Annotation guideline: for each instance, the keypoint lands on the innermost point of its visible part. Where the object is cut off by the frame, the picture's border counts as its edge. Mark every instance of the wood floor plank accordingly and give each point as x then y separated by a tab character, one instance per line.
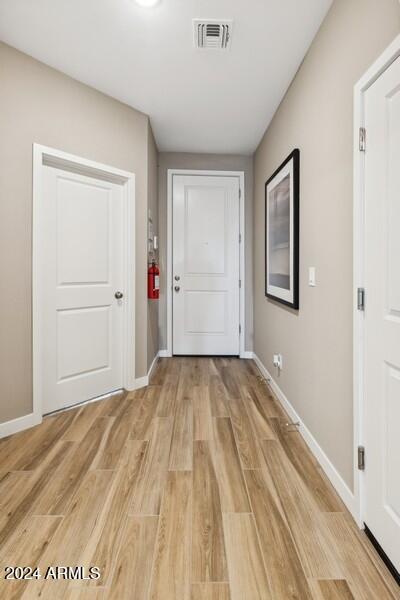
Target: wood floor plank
26	550
181	453
307	467
112	406
13	447
41	447
159	372
208	547
167	401
285	571
218	397
210	591
147	494
262	394
171	568
144	413
372	554
106	537
56	496
25	505
202	416
359	570
219	532
112	449
246	439
229	382
14	485
67	545
86	594
228	468
134	560
258	414
248	578
317	554
83	421
333	589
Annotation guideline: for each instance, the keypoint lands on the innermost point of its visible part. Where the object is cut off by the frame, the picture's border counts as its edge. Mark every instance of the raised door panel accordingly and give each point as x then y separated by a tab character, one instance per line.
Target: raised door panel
205	231
392	444
83	232
83	341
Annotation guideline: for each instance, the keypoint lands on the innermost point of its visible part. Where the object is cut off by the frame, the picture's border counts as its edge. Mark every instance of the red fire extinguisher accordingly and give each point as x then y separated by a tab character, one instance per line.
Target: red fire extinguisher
153	281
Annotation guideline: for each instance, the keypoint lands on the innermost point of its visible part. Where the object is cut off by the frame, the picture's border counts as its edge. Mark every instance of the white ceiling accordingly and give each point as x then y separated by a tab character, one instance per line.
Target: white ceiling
198	100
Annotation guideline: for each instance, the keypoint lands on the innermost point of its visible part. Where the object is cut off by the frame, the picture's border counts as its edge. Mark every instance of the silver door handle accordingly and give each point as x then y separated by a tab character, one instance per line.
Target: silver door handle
118	295
177	288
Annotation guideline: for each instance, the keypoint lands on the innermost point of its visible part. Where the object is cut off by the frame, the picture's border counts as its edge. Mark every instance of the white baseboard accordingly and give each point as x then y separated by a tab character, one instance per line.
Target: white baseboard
16	425
27	421
247	355
144	381
164	354
335	478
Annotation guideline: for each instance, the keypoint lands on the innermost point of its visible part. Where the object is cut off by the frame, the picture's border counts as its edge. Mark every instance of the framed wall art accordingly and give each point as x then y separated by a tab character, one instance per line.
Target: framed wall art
282	192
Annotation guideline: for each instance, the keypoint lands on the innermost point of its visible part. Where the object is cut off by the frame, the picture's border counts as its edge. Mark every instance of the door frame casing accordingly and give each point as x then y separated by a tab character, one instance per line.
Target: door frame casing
242	274
44	156
361	87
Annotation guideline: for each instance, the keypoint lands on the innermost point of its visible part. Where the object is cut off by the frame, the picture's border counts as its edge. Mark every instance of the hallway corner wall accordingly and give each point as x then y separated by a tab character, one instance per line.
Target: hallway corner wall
316	116
152	205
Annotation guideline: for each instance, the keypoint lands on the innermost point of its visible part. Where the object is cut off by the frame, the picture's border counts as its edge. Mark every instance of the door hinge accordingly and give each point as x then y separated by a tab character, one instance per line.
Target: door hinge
240	283
361	298
361	458
240	238
240	328
363	139
240	193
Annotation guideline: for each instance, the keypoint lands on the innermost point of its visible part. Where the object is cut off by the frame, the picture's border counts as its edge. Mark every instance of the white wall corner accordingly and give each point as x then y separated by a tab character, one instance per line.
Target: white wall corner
334	477
144	381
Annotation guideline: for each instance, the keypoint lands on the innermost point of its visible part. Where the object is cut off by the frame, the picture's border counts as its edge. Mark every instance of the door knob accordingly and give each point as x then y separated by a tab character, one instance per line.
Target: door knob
177	288
118	295
177	278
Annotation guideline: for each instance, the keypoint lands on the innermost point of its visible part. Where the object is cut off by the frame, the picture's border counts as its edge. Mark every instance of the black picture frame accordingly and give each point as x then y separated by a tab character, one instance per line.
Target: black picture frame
282	196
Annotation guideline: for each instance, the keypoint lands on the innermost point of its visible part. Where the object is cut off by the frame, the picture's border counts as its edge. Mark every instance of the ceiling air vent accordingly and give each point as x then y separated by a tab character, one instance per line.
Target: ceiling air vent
213	34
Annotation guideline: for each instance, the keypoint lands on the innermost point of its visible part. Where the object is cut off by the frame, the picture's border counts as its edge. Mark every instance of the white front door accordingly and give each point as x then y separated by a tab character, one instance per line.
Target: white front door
205	265
83	260
382	312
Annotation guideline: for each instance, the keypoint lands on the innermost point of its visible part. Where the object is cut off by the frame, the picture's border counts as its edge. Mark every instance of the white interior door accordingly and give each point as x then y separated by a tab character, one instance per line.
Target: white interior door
382	312
83	270
205	265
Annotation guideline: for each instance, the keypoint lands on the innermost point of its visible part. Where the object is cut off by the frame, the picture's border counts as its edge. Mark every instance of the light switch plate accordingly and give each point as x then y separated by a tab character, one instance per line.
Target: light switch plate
312	282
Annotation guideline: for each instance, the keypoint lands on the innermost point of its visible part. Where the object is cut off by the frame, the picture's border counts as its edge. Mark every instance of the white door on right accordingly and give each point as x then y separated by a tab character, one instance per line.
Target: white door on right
205	265
382	312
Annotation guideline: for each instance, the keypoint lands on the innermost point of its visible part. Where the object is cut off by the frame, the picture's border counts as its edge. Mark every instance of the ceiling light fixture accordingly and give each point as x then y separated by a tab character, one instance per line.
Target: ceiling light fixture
147	3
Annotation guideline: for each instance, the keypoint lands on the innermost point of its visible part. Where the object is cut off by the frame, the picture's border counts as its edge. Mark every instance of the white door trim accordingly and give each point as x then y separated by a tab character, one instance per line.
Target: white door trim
373	73
44	156
242	199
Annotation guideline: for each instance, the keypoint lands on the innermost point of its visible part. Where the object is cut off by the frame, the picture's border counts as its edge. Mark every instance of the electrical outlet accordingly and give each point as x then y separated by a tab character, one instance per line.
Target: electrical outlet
278	361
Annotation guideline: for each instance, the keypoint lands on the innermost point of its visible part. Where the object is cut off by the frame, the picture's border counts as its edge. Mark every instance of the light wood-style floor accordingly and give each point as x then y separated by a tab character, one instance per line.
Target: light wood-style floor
190	489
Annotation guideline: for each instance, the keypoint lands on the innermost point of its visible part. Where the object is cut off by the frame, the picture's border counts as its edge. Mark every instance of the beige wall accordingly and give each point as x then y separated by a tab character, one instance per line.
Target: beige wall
39	104
214	162
152	322
316	116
